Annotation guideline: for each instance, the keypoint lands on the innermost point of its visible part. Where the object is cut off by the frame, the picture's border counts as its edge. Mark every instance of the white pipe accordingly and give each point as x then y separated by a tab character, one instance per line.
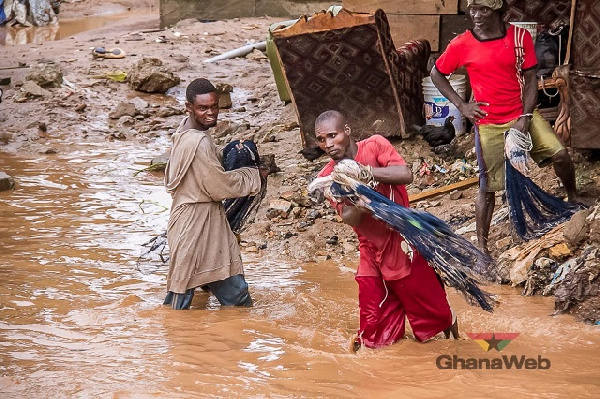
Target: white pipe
239	52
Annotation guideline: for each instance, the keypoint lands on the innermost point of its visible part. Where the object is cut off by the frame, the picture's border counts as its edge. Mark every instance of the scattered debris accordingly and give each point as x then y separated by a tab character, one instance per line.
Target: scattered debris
117	76
28	91
113	53
540	276
224	91
239	52
579	290
514	264
124	108
576	229
445	189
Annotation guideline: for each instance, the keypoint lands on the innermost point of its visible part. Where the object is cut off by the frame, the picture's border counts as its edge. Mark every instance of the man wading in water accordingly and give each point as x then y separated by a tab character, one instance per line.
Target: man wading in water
394	281
204	252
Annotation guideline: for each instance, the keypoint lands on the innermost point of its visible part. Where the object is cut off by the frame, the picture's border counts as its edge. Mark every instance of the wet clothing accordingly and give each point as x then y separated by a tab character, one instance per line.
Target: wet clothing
418	297
489	145
492	69
233	291
394	281
381	252
202	247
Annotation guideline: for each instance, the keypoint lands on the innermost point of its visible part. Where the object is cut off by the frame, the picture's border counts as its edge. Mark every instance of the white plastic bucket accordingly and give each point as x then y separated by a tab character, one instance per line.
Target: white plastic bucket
530	26
438	108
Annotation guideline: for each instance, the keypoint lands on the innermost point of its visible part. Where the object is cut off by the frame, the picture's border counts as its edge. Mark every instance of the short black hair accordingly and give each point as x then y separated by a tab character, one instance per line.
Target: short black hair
331	114
198	86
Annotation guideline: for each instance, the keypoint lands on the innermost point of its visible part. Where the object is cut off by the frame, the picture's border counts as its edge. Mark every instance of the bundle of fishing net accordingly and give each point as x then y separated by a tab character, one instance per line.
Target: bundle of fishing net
460	264
237	210
533	212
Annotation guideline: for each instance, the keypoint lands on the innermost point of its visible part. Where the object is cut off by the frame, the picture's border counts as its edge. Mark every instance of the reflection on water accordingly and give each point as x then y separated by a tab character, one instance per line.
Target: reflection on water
79	319
66	28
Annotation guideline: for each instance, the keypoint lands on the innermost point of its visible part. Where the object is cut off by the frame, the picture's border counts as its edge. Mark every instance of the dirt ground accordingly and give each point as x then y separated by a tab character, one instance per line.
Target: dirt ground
308	231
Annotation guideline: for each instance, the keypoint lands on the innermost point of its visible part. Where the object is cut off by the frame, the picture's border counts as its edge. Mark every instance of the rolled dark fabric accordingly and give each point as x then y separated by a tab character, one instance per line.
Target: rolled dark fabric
238	210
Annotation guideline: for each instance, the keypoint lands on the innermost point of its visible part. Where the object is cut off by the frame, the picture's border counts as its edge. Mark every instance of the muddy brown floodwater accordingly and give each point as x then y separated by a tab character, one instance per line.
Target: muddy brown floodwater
79	319
67	28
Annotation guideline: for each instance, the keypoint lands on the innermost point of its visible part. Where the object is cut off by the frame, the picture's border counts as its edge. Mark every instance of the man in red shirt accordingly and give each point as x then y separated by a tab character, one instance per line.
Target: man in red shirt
394	281
504	98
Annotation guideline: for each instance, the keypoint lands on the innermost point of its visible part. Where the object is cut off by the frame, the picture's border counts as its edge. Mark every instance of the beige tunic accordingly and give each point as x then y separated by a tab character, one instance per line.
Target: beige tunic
202	247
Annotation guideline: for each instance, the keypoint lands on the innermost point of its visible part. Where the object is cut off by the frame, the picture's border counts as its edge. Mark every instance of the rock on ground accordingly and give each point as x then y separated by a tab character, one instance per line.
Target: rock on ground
6	182
46	74
151	76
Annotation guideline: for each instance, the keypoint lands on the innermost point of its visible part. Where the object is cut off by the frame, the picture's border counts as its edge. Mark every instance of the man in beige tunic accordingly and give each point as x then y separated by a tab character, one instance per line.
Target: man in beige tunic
204	252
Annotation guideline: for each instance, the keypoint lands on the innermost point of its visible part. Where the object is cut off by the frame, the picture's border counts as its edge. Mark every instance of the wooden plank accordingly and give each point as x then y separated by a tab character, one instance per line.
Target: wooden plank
404	28
403	7
290	8
443	190
13	67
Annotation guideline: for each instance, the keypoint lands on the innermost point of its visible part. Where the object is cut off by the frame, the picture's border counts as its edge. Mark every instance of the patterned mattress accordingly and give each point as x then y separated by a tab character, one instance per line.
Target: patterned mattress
348	63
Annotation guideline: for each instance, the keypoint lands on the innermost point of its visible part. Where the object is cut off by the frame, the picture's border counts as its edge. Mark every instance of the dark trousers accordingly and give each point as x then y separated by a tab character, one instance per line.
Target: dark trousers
233	291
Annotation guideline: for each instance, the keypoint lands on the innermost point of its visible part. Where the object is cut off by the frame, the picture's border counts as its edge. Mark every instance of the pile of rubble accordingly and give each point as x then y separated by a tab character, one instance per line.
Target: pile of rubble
563	263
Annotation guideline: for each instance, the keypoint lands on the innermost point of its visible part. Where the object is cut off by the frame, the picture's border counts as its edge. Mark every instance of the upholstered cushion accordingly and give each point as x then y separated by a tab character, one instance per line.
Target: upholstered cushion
349	63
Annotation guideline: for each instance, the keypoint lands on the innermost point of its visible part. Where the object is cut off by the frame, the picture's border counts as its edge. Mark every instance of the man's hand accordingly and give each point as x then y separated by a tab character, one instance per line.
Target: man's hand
522	124
264	171
473	111
362	203
353	214
355	170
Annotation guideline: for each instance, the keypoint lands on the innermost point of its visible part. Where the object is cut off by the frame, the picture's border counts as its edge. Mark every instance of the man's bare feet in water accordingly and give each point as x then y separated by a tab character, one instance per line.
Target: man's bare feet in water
452	331
355	343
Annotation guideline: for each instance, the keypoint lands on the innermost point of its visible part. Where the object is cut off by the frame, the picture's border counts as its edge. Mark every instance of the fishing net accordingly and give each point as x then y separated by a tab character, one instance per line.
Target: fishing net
516	147
459	263
533	212
155	255
239	210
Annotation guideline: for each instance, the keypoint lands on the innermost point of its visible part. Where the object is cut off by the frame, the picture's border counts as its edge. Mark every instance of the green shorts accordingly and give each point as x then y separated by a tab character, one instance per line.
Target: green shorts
489	144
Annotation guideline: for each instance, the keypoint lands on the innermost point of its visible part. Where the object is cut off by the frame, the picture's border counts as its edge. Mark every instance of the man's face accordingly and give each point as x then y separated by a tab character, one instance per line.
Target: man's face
204	109
333	137
481	16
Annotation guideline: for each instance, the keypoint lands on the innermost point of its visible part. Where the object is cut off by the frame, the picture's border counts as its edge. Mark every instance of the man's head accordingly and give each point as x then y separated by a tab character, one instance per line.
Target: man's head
202	103
485	13
333	135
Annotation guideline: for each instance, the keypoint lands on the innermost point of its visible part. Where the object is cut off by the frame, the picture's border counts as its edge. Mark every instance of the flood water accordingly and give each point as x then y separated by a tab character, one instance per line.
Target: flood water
66	27
79	318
